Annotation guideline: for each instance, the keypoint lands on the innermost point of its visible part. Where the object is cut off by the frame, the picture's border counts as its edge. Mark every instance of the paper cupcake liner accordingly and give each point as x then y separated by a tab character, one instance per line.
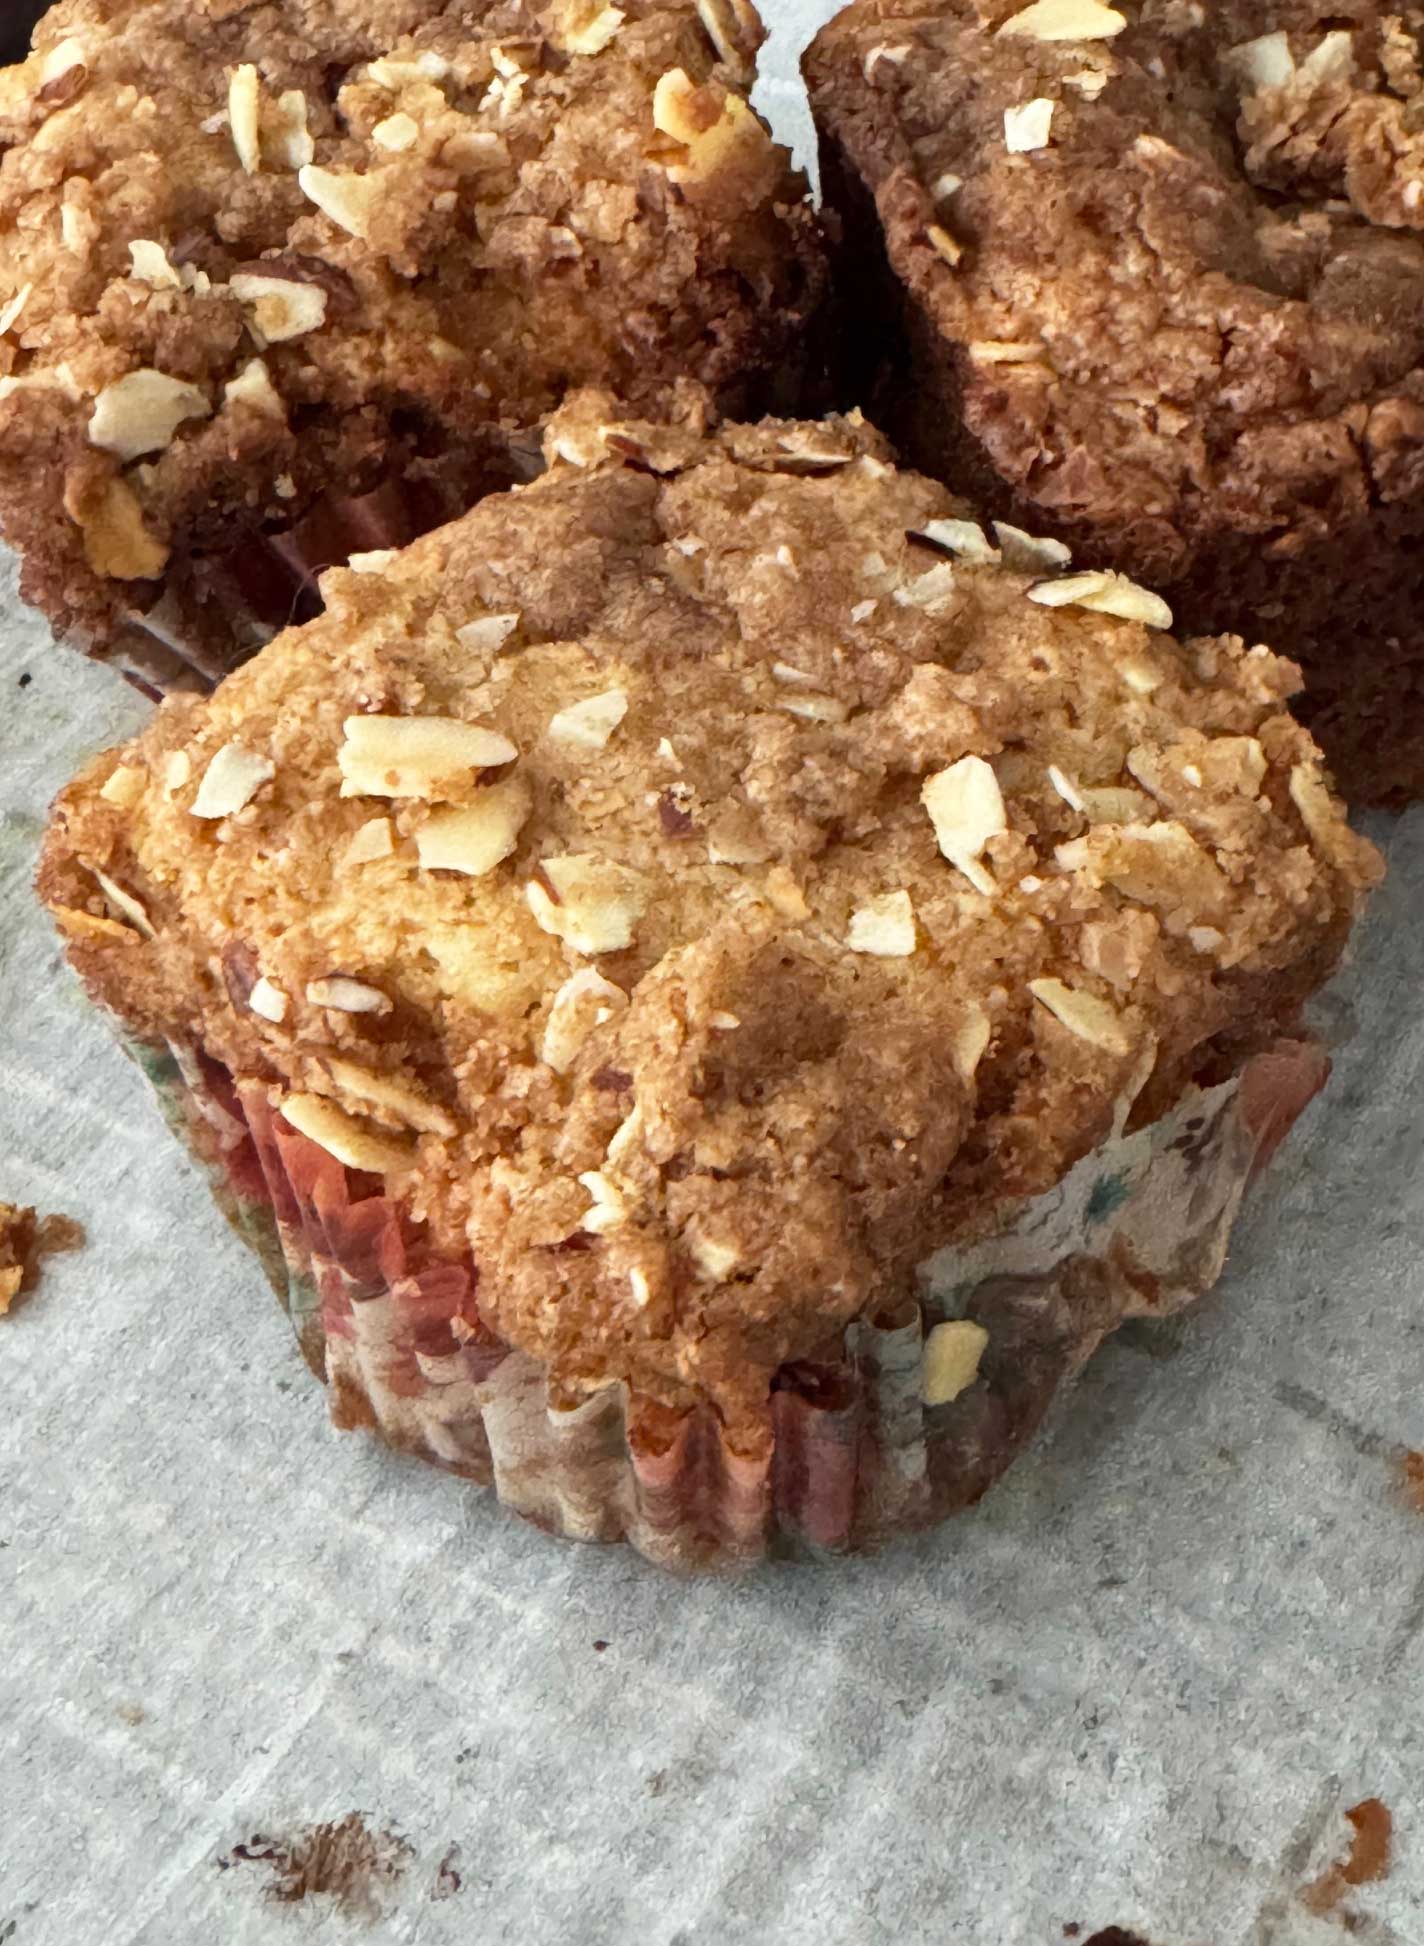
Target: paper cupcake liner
270	582
848	1455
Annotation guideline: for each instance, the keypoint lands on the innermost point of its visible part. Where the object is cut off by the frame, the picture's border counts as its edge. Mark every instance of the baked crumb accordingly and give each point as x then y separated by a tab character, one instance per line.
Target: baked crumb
26	1240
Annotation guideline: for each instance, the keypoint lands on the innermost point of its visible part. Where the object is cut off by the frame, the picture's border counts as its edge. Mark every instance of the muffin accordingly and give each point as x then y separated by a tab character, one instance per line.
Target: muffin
1158	290
283	284
715	980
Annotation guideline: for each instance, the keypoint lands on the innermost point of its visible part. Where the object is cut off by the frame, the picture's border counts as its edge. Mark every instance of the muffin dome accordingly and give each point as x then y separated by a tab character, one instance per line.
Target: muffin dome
707	882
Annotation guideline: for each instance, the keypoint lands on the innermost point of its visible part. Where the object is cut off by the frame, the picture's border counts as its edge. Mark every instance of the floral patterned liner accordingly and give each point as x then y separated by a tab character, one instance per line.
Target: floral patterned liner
849	1454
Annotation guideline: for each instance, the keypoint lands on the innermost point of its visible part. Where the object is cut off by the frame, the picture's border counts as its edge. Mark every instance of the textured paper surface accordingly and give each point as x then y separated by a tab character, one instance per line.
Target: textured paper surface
1139	1686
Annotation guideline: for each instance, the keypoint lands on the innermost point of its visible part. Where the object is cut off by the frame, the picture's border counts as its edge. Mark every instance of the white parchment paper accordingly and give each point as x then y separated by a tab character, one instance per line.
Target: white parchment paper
1138	1687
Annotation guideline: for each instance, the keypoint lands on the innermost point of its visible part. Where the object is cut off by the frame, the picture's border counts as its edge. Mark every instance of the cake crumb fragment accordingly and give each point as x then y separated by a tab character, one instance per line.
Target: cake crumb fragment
26	1239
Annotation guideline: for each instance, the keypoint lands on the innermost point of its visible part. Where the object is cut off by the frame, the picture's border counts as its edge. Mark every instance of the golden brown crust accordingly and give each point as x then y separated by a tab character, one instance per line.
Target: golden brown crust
1162	278
829	884
264	256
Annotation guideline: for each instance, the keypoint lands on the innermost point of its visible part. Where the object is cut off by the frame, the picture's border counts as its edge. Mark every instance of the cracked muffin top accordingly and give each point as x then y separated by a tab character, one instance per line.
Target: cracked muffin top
1176	247
709	879
251	255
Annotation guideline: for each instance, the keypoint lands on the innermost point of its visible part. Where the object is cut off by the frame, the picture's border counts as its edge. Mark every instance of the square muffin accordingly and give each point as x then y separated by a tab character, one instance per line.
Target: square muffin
281	284
715	980
1150	278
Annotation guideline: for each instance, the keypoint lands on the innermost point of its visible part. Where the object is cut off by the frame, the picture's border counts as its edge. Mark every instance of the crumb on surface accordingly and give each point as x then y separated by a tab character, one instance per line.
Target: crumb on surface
26	1239
1367	1858
344	1860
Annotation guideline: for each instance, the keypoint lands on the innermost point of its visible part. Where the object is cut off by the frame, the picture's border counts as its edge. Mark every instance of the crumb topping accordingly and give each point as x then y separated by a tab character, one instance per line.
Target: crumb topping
1179	247
700	1019
253	254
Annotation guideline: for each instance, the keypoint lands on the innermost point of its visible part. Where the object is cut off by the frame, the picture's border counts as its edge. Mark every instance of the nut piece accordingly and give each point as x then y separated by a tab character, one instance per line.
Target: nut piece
244	116
1066	788
944	245
347	197
372	841
151	266
966	808
430	757
591	723
140	413
341	1135
1266	62
608	1209
475	838
595	904
736	32
1083	1014
585	1001
966	538
885	927
894	55
584	26
1026	553
122	901
488	633
397	133
933	591
1331	60
89	926
253	386
347	996
718	129
59	62
268	1001
231	780
716	1261
1006	351
281	308
1106	594
1160	865
951	1360
399	1099
12	310
288	136
1065	20
1026	127
124	786
814	709
397	71
1140	677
